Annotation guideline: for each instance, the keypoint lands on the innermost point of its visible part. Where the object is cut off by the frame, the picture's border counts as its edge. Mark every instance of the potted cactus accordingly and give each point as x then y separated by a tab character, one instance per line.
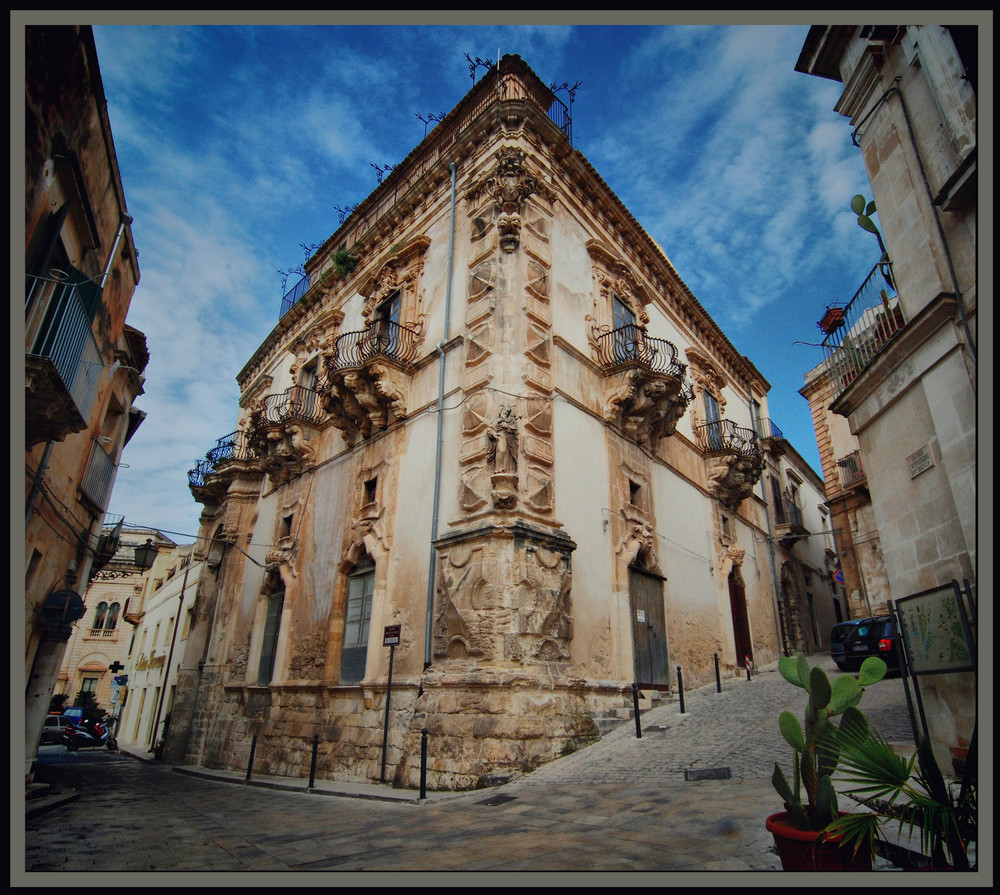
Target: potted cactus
810	799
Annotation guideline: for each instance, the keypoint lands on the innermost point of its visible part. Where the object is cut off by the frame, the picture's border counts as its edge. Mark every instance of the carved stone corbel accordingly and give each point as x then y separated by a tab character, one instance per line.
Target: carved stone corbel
732	477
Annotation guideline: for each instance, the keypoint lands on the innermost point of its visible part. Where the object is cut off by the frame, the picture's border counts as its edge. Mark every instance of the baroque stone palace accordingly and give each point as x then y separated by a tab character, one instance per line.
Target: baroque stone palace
494	417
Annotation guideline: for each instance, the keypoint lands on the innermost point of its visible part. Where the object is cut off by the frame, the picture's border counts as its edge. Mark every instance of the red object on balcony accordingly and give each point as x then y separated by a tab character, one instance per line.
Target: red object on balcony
832	320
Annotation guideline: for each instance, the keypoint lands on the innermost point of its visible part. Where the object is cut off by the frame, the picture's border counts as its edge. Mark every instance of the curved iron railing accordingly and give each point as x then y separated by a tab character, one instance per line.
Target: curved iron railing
295	403
725	435
234	446
630	344
379	339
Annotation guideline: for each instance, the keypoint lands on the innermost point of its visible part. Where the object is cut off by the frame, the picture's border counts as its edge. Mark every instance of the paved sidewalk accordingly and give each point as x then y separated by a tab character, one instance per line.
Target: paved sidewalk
622	804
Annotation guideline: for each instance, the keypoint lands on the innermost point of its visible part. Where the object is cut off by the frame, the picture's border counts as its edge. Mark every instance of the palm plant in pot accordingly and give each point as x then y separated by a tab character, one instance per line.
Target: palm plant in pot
800	831
910	792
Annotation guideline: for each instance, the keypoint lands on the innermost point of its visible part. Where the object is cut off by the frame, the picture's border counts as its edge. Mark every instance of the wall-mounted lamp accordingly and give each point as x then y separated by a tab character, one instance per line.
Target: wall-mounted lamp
145	555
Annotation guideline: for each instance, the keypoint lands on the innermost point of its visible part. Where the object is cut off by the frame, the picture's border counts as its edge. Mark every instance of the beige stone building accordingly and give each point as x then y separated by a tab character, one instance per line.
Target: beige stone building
101	640
856	535
495	450
83	365
156	647
901	356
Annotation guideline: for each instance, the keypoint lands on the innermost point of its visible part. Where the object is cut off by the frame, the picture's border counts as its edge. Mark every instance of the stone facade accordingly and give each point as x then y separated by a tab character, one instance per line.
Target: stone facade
83	364
910	95
498	421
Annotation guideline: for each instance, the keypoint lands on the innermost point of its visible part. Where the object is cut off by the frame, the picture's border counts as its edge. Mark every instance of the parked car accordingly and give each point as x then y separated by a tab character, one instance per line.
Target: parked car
854	641
52	732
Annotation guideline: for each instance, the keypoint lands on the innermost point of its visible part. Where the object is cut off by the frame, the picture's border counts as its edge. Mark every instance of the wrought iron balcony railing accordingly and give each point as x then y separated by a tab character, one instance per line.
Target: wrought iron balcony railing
630	345
234	446
294	294
766	428
725	435
58	327
379	340
851	469
98	476
787	513
857	332
295	403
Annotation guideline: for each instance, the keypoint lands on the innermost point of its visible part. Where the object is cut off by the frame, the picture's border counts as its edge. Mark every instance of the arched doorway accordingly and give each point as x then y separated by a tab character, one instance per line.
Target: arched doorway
741	621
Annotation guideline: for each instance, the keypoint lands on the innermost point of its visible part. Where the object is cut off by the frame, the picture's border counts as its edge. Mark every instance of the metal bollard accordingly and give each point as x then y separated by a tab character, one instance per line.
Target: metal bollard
635	707
312	765
253	748
748	663
718	679
423	763
680	688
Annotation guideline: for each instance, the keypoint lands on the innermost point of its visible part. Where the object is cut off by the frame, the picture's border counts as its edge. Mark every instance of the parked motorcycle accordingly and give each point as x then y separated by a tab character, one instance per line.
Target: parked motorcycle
89	734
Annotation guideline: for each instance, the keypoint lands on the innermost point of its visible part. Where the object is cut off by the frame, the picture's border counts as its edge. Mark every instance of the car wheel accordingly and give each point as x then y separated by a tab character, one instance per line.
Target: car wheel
843	666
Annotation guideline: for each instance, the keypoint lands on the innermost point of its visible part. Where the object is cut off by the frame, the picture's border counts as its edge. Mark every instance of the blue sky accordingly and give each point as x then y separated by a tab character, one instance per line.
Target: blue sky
238	145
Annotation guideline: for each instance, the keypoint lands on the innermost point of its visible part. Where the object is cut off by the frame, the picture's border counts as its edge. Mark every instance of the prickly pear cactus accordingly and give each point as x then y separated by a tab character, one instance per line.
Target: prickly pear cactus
810	798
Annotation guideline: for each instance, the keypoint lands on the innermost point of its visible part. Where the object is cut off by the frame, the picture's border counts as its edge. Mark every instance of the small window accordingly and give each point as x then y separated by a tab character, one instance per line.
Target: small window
371	490
286	526
633	492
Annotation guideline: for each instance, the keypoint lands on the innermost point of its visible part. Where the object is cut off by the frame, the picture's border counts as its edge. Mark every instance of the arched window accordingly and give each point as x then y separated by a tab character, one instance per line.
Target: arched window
112	619
272	627
357	620
100	615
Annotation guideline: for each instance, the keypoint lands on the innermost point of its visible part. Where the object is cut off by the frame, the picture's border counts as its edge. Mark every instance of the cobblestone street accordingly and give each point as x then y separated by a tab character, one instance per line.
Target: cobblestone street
622	804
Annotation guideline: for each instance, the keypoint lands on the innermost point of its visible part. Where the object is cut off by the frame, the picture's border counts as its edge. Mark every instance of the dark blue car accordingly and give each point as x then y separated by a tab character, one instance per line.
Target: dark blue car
854	641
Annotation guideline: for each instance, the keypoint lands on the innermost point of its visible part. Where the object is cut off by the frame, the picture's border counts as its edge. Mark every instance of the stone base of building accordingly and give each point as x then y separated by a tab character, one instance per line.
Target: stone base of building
482	728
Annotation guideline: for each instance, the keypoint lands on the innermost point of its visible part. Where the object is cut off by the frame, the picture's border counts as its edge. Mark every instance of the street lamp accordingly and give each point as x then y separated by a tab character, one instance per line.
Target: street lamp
145	555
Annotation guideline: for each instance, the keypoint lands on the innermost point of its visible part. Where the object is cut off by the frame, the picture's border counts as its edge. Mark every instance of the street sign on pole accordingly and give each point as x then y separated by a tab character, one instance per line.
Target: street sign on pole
390	639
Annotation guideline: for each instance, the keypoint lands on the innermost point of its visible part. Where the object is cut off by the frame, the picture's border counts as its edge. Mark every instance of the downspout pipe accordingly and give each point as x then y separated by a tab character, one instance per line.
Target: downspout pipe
432	564
126	220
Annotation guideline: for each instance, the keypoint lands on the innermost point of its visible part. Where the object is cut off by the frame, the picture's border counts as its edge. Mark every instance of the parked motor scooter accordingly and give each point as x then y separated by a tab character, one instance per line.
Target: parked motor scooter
89	734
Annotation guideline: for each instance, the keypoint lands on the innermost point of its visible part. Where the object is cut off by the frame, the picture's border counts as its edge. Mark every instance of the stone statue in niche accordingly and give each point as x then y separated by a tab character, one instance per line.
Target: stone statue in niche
503	441
502	456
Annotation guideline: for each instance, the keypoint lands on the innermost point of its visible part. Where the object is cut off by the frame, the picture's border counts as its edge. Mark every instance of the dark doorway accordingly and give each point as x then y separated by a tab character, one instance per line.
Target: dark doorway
741	622
649	629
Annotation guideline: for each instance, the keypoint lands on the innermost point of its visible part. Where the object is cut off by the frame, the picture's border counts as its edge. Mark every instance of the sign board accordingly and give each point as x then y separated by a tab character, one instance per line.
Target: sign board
640	615
920	461
932	626
391	636
838	576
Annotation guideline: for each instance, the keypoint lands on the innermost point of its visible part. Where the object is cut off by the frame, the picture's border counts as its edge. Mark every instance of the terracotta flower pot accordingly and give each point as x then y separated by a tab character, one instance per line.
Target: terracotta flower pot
805	850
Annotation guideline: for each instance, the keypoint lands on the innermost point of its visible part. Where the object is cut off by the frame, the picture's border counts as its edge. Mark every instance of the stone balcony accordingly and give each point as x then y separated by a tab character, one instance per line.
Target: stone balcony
644	386
366	377
734	460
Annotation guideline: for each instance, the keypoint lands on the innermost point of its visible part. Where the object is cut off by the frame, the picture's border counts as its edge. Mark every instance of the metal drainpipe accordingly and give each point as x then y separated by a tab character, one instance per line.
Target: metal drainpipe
432	564
125	220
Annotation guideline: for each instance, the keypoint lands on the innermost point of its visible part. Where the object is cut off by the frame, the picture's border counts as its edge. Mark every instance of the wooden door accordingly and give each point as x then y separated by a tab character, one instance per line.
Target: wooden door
649	630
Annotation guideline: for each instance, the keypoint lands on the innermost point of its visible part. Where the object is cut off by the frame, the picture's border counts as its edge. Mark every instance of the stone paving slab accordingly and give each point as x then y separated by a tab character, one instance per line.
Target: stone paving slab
620	805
